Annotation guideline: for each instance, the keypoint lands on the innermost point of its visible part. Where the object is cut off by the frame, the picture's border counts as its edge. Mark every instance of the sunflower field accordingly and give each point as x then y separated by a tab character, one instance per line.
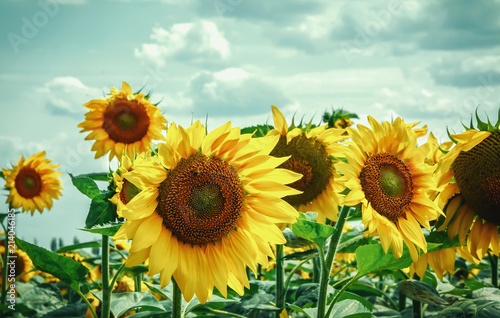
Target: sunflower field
305	219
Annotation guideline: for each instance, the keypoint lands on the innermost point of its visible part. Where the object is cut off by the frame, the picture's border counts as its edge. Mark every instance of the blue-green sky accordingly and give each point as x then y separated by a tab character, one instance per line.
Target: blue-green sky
426	61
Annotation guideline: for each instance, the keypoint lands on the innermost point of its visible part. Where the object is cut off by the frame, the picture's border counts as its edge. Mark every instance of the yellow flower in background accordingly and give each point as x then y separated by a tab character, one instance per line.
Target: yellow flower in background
441	262
125	190
312	154
208	208
387	175
470	175
23	264
122	123
33	183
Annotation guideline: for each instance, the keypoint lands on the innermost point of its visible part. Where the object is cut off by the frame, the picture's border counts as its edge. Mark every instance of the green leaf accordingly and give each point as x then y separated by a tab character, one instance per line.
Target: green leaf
260	130
195	303
64	268
421	291
101	211
98	176
349	308
108	229
78	246
2	175
309	312
471	308
72	310
43	298
312	231
372	258
347	295
125	302
85	185
306	294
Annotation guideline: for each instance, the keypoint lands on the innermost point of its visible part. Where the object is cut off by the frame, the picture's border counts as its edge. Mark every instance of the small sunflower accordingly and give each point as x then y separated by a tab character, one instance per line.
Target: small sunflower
387	174
312	154
125	190
208	208
470	177
33	183
23	264
122	123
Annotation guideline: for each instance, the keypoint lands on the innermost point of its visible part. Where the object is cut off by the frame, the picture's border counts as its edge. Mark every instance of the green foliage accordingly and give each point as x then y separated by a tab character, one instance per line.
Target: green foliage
258	131
108	229
74	247
310	230
102	211
125	302
64	268
85	185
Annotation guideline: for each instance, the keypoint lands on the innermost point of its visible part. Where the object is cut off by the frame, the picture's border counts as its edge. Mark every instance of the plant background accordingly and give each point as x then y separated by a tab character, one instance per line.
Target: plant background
429	62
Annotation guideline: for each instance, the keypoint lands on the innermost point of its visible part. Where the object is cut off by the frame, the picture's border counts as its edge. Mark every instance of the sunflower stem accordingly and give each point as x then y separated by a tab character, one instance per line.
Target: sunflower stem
106	290
138	282
316	269
494	269
326	269
280	277
92	310
176	300
4	265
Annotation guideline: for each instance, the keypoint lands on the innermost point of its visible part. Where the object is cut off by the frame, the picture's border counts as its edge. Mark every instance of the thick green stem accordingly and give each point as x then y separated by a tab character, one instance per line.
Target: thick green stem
332	250
316	269
417	306
5	270
138	282
494	269
280	279
176	300
106	288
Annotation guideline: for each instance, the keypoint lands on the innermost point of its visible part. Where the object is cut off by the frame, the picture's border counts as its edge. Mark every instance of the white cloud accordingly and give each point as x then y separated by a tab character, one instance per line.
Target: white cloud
65	95
199	42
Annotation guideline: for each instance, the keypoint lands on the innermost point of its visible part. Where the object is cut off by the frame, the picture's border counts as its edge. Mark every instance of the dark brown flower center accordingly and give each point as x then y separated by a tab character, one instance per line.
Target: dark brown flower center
201	199
28	183
477	173
126	121
387	185
309	158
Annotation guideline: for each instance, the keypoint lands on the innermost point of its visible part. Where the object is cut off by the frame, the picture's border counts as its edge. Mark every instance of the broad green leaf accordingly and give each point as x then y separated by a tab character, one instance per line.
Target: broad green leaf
72	310
293	240
311	230
78	246
195	303
43	298
125	302
439	240
474	285
166	291
349	244
372	258
108	229
102	211
309	312
64	268
471	308
348	295
306	294
85	185
302	255
420	291
349	308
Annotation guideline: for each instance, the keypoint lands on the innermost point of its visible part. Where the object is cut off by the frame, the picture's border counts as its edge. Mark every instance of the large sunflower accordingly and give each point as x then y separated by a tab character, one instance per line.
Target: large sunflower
386	173
208	208
122	123
312	154
470	177
33	183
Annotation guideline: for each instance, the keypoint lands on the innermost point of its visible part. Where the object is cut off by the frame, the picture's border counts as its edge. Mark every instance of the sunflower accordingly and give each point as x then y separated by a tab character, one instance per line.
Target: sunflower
33	183
387	175
122	123
441	261
470	177
312	154
125	190
23	264
208	208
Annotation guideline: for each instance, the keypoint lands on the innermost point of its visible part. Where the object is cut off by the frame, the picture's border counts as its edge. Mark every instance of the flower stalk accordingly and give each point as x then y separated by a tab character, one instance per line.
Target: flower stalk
106	288
176	300
280	276
332	250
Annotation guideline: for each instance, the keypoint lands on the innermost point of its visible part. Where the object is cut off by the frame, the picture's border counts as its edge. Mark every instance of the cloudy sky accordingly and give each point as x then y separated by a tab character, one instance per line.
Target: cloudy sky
427	61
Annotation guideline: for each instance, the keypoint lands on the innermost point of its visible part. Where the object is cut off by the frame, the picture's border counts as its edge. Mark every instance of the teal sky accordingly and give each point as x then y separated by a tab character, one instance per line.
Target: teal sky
427	61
